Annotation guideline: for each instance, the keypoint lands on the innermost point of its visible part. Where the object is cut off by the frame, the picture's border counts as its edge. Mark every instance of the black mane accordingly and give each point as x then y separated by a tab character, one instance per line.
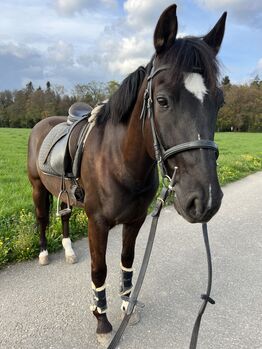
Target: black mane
187	55
121	104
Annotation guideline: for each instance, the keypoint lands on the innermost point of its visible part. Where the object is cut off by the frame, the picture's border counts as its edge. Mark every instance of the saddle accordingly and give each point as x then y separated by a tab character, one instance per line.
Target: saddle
61	152
55	157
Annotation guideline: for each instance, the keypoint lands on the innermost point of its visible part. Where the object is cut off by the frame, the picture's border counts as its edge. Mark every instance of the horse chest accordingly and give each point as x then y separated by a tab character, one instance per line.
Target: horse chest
133	204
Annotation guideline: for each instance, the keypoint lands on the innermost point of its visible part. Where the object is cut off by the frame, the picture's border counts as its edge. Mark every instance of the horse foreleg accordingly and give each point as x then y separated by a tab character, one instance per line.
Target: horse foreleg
130	232
66	242
97	236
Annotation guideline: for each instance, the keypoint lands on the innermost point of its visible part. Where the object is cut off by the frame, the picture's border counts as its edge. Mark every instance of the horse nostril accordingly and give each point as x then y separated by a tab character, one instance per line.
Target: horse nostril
194	206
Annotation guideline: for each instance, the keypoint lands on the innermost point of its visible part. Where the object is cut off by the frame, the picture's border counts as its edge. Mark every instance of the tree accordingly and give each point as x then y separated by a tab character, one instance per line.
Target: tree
25	107
35	107
29	88
48	86
226	81
64	104
17	110
242	110
111	88
91	93
256	82
50	101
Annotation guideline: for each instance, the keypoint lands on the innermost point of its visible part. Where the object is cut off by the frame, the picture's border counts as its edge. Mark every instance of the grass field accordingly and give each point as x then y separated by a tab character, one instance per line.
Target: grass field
240	155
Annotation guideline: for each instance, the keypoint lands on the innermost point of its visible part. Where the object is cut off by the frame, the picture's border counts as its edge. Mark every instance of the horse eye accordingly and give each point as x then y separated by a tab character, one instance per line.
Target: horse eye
162	101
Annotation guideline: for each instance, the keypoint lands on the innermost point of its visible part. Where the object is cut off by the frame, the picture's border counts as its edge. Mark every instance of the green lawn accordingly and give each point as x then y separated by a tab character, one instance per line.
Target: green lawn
240	155
15	191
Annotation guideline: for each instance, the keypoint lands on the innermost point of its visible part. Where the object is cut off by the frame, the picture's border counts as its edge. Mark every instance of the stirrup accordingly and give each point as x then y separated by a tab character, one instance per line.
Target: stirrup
66	210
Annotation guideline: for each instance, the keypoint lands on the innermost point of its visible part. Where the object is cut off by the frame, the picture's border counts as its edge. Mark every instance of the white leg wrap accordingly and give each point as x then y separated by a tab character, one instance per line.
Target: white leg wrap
135	317
125	289
66	242
43	257
43	253
69	252
125	280
126	269
99	299
124	306
98	289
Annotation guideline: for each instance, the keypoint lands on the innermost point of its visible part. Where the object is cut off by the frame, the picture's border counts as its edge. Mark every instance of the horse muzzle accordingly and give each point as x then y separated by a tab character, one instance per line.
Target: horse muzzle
196	207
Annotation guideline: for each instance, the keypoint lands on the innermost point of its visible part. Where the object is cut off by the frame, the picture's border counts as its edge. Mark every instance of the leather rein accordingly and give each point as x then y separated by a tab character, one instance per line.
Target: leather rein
161	156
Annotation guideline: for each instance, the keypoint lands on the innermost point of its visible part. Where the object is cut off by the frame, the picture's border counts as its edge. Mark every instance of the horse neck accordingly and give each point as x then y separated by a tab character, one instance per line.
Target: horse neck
135	149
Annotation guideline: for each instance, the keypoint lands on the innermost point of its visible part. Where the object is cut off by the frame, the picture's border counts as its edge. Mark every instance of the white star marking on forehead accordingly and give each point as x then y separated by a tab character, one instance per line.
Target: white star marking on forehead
194	83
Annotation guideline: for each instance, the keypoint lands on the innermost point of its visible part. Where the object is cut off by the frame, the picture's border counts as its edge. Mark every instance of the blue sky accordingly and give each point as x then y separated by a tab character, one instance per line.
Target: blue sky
76	41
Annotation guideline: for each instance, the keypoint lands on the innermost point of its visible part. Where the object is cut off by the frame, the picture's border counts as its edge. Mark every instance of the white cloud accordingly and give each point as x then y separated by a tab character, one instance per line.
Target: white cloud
14	49
143	14
70	7
135	46
46	46
18	61
245	12
67	49
61	53
131	53
71	41
127	66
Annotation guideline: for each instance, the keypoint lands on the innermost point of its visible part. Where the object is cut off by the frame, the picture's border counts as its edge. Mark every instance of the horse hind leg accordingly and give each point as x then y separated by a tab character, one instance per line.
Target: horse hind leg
70	255
42	199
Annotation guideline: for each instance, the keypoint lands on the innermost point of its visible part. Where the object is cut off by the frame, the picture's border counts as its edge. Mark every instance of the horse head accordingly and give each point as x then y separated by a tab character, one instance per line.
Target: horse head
185	102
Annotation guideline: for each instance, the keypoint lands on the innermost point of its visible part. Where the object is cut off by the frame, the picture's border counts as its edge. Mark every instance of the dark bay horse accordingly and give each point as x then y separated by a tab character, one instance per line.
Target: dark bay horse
119	174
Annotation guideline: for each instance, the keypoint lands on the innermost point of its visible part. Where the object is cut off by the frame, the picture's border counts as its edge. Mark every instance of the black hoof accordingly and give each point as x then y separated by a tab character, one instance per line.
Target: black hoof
103	325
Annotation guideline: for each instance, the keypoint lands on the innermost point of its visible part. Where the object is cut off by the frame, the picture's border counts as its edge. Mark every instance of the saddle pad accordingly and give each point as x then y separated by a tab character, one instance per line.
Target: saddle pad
53	150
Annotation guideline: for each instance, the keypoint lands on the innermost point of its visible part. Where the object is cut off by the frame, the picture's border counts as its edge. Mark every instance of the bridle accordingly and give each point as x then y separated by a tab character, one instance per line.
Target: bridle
162	154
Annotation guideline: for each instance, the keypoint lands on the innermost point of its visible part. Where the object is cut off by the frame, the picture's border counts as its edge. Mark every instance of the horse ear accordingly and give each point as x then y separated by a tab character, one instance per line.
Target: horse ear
215	36
166	30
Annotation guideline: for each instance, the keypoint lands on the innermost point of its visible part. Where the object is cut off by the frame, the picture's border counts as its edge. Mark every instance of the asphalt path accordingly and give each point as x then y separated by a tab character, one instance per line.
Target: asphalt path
48	307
